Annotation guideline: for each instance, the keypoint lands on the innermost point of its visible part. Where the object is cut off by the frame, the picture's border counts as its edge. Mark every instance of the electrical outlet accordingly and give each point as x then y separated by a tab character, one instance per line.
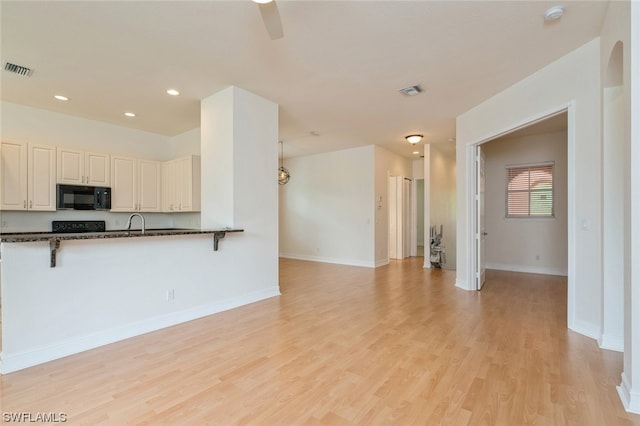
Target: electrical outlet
3	224
170	295
537	257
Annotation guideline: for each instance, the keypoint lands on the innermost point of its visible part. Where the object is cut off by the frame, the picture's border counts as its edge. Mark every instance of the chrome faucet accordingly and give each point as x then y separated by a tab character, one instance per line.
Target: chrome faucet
131	217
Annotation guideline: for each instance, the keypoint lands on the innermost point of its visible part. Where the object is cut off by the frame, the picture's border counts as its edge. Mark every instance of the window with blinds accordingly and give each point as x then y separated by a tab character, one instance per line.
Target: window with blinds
530	190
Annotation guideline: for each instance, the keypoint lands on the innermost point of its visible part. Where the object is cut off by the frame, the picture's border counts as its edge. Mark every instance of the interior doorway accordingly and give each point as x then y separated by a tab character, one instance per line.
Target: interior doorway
526	254
400	216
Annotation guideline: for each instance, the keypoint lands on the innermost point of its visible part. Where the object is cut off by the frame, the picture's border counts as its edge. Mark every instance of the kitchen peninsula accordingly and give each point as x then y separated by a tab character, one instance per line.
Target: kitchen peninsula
109	286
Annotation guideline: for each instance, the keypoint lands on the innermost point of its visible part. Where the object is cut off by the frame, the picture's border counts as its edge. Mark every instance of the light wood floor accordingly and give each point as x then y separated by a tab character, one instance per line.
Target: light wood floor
343	345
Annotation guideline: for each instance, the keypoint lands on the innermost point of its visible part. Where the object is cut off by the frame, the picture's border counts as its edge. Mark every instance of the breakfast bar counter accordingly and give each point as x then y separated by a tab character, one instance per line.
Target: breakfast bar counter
54	239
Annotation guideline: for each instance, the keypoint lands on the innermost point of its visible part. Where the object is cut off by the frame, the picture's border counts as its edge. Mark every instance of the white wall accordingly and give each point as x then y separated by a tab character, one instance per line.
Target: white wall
630	387
621	136
572	82
188	143
335	206
327	208
545	250
442	165
22	123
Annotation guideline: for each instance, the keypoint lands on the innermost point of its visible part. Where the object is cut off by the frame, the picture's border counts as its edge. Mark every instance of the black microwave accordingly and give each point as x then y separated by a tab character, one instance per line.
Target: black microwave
75	197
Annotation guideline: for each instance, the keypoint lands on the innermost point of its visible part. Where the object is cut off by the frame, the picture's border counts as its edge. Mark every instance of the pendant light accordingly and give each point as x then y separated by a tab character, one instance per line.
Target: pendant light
283	174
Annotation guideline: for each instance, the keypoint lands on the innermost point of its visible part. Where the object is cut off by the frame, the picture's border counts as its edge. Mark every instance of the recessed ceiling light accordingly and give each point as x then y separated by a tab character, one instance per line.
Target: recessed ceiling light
262	1
61	98
173	92
416	152
129	114
553	13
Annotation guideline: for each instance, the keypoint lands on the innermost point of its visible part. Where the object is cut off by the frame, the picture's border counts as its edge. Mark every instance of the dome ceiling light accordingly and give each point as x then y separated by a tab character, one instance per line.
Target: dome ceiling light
414	139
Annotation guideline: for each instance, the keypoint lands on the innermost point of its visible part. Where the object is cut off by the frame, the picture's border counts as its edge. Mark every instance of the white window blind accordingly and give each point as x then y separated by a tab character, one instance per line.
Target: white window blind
530	190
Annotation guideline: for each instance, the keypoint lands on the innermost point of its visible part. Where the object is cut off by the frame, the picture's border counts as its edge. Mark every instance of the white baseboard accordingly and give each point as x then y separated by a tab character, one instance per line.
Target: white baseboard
612	343
350	262
463	285
586	329
18	361
382	262
630	398
528	269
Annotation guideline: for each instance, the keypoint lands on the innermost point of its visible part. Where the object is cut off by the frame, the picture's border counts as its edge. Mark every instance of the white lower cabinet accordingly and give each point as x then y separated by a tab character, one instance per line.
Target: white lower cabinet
27	177
135	185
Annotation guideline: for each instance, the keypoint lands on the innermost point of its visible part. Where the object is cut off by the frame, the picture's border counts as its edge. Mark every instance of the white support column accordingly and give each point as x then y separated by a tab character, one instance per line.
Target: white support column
427	206
239	154
239	161
629	389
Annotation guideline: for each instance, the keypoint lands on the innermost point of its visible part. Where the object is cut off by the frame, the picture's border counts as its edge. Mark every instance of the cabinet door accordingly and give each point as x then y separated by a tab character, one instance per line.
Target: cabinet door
70	166
169	199
96	168
188	183
149	191
41	166
183	172
123	184
13	176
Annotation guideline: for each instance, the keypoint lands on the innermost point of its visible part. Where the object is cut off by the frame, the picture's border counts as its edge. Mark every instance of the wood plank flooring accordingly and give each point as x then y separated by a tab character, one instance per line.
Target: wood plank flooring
398	345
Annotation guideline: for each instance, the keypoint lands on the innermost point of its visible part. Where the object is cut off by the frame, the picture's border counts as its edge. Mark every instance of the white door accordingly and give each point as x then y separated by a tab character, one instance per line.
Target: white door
406	220
480	220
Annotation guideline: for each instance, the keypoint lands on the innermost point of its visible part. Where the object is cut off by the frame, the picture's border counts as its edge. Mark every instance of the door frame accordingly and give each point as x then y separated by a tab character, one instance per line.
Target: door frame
470	243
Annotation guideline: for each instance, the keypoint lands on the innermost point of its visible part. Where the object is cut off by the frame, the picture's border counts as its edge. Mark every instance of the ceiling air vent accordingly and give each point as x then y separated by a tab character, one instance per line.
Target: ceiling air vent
17	69
411	90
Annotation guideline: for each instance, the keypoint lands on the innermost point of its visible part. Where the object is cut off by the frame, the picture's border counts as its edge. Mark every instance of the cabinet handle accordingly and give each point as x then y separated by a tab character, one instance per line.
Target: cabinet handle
30	203
25	204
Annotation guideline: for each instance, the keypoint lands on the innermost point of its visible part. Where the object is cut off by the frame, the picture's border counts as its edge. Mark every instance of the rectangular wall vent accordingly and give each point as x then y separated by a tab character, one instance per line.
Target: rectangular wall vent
17	69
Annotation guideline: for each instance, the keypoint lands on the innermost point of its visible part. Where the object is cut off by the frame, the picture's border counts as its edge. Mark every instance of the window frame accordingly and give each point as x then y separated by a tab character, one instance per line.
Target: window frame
529	166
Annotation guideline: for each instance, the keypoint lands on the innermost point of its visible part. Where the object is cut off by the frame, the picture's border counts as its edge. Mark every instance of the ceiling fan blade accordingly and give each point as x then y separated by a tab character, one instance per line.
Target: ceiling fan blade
271	19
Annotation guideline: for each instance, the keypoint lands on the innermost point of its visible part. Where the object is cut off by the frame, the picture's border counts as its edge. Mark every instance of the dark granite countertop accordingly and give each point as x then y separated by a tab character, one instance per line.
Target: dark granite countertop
23	237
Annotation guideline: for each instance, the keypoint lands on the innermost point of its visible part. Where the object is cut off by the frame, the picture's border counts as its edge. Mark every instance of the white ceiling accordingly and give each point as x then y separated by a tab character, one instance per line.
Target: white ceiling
337	71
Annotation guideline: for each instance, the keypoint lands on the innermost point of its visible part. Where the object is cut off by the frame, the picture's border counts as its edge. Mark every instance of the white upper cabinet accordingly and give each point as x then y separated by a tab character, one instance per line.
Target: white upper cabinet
181	184
77	167
149	186
28	177
136	185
